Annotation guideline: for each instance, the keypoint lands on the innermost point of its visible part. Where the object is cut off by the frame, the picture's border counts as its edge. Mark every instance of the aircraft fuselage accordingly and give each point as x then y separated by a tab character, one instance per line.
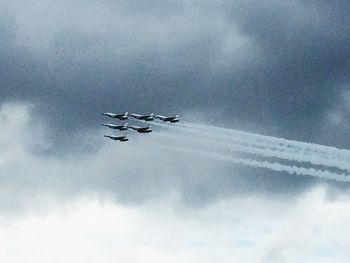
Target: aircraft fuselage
123	127
143	117
116	116
117	138
171	119
141	129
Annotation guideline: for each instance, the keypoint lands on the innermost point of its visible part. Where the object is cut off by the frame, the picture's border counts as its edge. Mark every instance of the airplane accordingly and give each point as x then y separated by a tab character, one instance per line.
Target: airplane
123	127
123	116
141	129
149	117
171	119
117	138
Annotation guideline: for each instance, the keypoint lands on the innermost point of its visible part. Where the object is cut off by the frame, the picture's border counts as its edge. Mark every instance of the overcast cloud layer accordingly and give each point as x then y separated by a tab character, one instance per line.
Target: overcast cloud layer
278	68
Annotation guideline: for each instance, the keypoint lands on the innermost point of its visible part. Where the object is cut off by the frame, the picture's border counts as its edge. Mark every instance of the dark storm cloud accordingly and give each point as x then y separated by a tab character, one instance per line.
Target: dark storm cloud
304	64
174	57
142	61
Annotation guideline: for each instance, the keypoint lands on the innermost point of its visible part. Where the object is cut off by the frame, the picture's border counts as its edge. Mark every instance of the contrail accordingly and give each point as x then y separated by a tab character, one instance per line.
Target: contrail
290	169
298	146
238	138
237	143
310	152
262	152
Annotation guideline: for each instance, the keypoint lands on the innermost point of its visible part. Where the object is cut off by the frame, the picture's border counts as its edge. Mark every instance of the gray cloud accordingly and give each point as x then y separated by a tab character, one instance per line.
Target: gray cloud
137	172
272	67
270	64
304	62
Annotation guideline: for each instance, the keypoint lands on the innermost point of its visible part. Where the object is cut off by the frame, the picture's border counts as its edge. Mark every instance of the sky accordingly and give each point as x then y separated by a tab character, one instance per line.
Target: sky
278	68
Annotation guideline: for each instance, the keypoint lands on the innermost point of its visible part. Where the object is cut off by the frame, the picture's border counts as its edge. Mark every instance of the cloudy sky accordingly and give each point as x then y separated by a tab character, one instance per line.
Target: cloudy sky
277	68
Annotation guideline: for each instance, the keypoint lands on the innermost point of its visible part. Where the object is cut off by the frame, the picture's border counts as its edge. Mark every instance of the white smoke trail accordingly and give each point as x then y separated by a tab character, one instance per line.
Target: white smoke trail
260	151
272	147
290	169
241	139
303	147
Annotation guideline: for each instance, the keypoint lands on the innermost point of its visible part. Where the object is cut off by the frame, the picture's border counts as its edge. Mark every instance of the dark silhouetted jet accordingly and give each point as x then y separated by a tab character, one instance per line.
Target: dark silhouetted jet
149	117
117	138
123	127
171	119
141	129
123	116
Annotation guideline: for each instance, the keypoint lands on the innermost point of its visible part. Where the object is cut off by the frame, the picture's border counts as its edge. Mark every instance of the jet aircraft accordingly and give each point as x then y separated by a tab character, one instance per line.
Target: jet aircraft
123	127
149	117
141	129
171	119
117	138
123	116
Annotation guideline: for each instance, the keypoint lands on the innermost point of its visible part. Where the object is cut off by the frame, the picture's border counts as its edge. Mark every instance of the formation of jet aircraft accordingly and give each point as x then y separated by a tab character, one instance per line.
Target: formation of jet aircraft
138	117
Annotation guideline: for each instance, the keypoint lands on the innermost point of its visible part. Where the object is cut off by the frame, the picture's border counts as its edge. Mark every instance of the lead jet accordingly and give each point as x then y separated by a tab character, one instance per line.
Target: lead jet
141	129
123	127
117	138
171	119
140	117
123	116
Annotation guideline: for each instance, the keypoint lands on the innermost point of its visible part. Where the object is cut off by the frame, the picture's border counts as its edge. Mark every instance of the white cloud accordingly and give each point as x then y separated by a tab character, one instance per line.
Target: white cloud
313	229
